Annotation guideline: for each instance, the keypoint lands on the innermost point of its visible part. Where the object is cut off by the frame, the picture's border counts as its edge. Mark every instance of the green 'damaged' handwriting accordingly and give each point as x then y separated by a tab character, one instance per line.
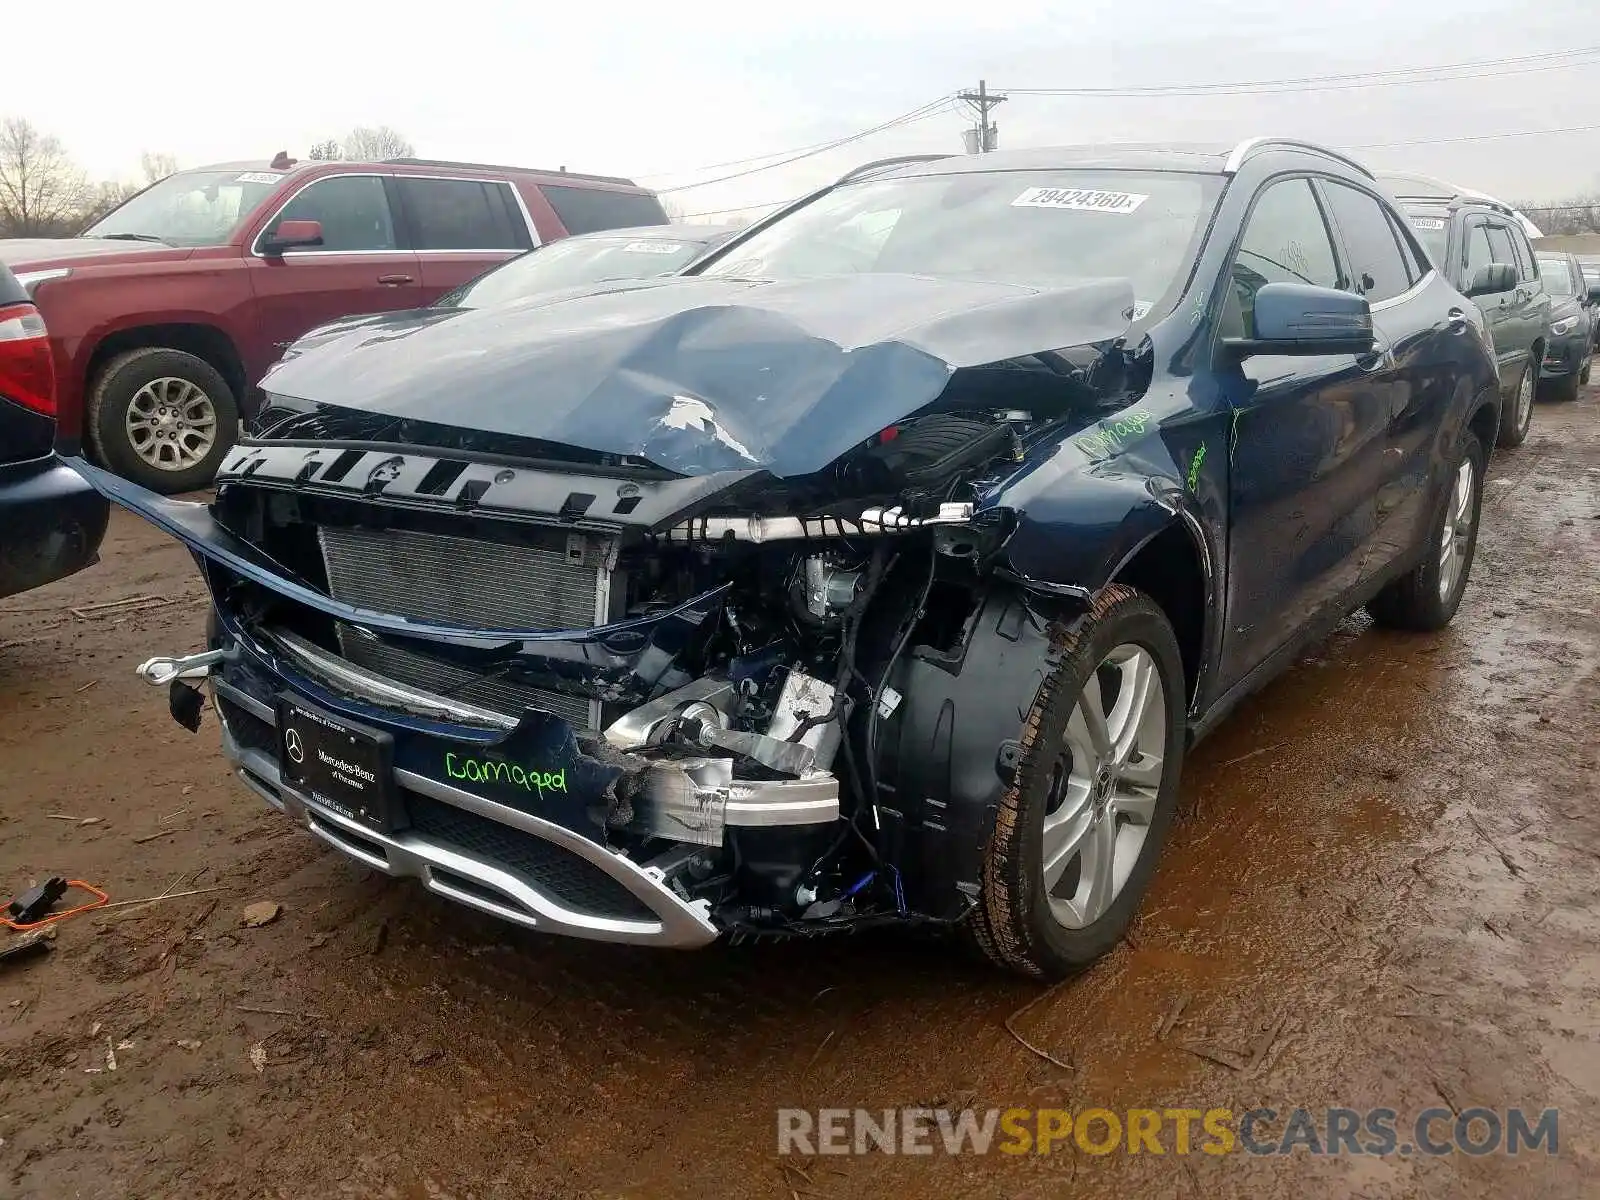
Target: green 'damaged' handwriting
1112	435
489	770
1194	467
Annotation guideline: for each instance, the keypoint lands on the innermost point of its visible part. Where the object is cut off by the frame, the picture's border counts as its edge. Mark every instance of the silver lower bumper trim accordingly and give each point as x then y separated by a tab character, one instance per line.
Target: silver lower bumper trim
489	888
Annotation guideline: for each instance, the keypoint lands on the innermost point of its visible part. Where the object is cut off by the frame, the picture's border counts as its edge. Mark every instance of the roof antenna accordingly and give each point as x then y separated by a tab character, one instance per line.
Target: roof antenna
281	161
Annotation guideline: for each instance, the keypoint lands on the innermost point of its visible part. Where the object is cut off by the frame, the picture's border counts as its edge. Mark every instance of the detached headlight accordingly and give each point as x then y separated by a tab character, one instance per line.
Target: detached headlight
30	280
1565	325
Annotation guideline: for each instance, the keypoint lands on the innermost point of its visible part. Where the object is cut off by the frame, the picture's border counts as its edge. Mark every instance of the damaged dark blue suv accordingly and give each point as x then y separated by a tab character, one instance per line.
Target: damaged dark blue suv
880	570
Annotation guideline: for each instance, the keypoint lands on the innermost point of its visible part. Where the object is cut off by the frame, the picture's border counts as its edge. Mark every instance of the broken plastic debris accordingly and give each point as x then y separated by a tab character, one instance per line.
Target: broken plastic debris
262	912
258	1057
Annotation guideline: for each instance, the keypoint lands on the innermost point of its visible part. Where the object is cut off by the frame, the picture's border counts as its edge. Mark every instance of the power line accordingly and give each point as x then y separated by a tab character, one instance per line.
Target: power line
1474	137
921	112
1399	77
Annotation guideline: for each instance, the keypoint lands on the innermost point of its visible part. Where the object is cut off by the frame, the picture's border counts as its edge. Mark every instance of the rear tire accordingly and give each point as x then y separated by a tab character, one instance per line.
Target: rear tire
1517	411
1565	389
1427	596
162	418
1108	809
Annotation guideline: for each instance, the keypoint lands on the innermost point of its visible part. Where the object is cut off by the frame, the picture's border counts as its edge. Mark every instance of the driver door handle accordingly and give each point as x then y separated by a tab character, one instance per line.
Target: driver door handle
395	280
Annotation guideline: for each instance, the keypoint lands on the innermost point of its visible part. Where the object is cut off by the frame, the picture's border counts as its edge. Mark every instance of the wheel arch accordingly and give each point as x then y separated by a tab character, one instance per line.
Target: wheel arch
1174	566
1484	419
207	342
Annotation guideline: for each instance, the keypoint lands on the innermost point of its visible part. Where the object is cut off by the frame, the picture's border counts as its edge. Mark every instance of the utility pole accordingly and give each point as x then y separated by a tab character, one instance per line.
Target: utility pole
985	136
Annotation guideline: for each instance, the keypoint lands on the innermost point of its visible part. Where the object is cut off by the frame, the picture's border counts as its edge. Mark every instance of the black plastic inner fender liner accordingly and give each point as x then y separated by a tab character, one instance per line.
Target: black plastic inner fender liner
949	749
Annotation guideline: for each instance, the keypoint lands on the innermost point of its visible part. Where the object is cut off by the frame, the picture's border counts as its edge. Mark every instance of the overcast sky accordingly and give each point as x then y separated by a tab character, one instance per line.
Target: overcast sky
653	90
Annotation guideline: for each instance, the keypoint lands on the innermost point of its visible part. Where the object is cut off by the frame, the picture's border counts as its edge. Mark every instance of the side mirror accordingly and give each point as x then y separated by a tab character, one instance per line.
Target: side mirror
1297	318
1496	277
1594	293
292	235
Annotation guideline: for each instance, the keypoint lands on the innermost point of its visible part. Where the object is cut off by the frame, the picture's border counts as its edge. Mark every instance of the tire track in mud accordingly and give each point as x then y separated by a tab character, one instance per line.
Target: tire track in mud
1326	869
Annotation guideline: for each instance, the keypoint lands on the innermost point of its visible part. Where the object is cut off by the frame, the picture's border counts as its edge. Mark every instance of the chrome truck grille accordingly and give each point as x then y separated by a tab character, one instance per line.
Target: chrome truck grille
561	580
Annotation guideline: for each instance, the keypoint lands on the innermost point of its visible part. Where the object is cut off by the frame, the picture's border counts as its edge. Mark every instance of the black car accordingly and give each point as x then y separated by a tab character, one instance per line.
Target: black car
590	258
51	520
879	570
1570	352
1589	264
1480	245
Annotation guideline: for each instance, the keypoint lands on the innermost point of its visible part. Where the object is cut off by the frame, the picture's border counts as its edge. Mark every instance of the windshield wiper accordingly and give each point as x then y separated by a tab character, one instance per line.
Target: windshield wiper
130	237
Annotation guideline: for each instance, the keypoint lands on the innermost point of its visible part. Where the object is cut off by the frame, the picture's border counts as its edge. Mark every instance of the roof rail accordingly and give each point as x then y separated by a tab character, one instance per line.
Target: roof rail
467	166
1501	206
896	160
1250	145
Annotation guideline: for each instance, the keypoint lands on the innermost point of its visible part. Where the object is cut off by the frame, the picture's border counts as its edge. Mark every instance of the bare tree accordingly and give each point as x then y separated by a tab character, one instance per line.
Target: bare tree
367	143
326	150
157	165
101	198
42	191
1581	214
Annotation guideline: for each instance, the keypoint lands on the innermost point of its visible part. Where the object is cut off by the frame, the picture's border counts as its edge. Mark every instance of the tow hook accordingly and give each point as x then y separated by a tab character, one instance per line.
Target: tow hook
185	702
162	671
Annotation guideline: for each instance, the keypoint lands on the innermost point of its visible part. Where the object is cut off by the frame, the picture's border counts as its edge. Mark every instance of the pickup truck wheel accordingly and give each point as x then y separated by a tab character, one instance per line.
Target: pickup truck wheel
1077	834
162	418
1427	596
1518	411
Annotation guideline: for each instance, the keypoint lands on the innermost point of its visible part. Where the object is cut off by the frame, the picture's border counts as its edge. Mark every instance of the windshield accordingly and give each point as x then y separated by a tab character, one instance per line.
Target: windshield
1032	227
1557	276
191	208
1433	231
573	262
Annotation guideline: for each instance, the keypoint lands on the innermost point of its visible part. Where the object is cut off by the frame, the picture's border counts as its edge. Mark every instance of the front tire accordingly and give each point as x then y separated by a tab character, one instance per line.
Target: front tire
1427	596
162	418
1078	833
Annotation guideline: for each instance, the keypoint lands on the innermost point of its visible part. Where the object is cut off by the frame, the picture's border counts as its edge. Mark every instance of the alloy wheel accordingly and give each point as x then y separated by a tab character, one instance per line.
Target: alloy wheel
1457	532
171	424
1104	789
1524	410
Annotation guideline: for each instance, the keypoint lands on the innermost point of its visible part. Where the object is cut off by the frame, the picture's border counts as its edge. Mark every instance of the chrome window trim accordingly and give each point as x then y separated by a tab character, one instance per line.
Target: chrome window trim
516	193
1409	294
255	245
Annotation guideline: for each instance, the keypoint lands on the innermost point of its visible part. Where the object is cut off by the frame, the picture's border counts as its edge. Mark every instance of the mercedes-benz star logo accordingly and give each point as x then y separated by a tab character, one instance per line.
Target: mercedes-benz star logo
291	743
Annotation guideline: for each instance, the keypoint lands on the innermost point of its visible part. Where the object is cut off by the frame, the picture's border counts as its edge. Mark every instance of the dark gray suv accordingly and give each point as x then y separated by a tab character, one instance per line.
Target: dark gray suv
1480	246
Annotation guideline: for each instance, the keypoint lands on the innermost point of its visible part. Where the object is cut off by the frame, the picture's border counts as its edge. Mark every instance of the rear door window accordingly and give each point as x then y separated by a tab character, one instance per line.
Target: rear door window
460	214
589	210
352	209
1379	271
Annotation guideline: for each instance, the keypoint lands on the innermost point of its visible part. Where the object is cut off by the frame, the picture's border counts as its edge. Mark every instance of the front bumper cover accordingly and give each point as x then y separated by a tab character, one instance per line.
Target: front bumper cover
472	879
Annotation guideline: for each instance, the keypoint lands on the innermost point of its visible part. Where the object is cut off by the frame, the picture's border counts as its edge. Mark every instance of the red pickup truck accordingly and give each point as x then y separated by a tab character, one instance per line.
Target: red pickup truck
164	314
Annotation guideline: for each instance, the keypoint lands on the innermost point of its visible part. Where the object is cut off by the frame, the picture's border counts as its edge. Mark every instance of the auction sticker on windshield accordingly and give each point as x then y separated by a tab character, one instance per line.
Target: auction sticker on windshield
652	247
1426	223
1082	199
258	177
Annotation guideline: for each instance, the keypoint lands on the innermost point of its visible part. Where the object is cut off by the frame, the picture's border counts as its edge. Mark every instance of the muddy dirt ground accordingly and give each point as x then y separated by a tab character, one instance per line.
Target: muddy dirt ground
1390	857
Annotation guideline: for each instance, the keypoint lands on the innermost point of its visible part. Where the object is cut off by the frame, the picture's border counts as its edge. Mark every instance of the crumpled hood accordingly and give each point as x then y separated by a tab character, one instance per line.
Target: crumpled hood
696	374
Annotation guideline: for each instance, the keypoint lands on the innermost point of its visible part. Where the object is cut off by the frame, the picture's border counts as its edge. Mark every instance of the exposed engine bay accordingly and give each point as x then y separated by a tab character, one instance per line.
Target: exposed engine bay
742	685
